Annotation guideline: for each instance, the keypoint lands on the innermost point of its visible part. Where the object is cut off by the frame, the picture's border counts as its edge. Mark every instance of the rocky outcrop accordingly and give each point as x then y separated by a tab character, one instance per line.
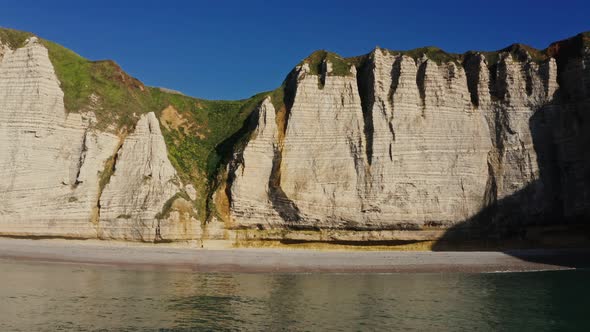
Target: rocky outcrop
48	159
134	203
322	166
517	92
52	164
251	185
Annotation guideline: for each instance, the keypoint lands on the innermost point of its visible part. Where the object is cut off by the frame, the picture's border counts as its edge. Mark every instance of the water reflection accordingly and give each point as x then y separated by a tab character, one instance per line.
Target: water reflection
52	297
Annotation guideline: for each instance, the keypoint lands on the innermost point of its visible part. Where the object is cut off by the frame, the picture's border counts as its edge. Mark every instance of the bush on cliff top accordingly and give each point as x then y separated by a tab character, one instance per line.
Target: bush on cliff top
316	60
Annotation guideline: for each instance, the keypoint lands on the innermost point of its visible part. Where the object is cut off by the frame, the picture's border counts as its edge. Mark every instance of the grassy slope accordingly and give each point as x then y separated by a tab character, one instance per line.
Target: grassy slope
194	151
100	86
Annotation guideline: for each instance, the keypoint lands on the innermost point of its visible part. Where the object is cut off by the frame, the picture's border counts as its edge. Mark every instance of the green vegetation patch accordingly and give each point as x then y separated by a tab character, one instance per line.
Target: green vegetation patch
167	208
433	53
519	53
317	60
107	173
277	98
200	149
13	38
194	148
102	87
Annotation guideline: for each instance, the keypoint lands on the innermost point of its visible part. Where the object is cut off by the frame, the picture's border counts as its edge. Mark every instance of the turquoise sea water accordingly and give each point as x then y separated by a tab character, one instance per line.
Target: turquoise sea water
54	297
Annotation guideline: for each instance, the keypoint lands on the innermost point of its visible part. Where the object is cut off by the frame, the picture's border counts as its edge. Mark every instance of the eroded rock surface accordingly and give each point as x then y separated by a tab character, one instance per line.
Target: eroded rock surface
251	182
49	160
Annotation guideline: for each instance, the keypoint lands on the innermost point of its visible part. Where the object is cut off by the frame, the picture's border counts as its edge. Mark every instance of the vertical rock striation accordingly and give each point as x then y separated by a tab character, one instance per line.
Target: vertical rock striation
431	146
322	160
250	186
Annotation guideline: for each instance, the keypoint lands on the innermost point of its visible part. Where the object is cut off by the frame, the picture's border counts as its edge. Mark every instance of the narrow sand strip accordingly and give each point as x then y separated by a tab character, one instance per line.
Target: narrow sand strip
147	256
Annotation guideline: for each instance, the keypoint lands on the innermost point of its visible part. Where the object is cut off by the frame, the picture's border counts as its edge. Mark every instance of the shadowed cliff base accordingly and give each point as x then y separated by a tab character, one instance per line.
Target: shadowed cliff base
550	212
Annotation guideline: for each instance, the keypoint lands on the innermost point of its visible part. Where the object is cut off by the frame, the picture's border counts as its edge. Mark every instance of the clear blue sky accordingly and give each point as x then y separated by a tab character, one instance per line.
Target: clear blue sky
233	49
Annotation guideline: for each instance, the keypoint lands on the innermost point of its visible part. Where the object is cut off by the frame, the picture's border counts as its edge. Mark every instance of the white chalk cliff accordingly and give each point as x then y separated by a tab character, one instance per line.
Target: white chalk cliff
412	144
51	164
388	145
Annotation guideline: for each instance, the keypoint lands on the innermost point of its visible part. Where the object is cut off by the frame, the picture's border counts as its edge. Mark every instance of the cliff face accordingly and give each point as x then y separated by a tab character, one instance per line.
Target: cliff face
414	144
389	146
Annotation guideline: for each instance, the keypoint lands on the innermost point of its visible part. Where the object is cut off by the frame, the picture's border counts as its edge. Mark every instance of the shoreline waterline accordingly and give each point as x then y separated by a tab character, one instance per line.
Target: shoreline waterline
185	258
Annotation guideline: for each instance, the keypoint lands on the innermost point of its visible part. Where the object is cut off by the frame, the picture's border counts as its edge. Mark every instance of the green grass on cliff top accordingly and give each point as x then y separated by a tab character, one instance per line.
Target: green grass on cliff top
99	86
13	38
316	60
433	53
